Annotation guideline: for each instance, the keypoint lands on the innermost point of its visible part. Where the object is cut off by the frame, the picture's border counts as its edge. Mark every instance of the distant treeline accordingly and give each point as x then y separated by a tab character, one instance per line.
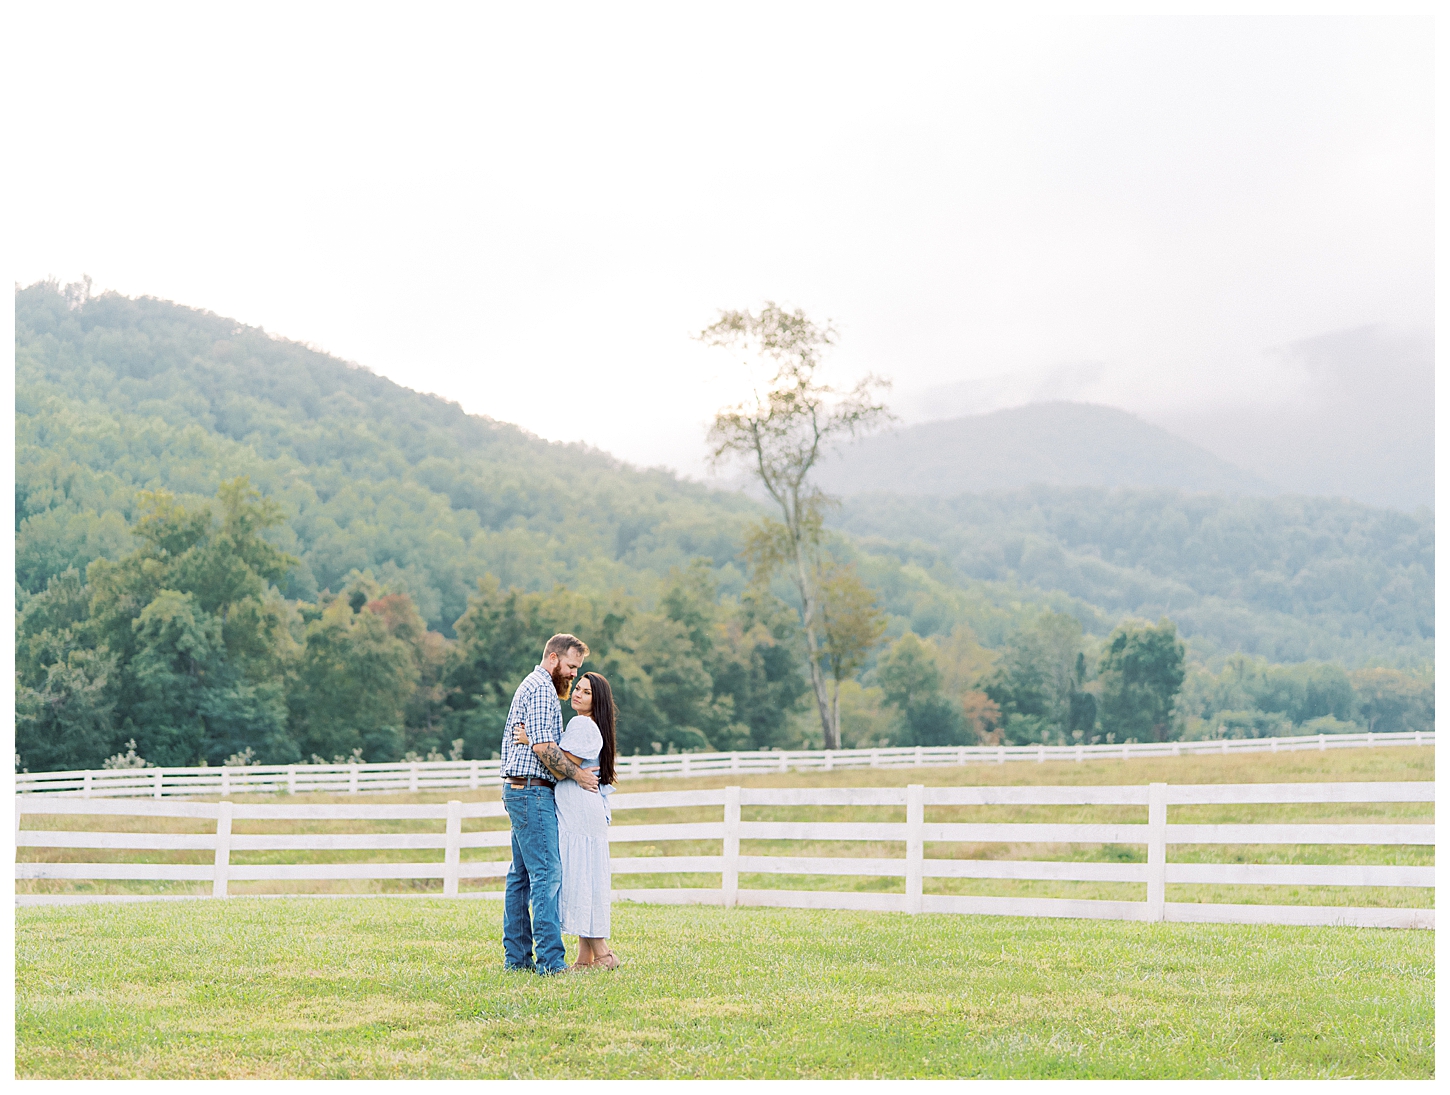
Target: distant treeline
185	651
410	559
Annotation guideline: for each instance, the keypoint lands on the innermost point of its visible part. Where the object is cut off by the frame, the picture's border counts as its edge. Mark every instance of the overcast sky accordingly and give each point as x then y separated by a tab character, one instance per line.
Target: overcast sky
529	208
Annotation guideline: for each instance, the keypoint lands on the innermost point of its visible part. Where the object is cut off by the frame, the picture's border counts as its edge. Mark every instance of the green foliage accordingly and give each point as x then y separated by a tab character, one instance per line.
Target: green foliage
1139	675
1387	700
911	680
119	396
407	561
1288	578
696	673
179	645
1036	682
352	684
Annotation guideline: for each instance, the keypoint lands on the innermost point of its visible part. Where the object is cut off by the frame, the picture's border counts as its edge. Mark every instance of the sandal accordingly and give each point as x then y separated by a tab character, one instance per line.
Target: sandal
609	961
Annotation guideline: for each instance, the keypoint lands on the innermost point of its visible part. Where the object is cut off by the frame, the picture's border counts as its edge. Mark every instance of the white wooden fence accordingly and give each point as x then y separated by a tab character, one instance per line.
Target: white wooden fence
915	833
448	775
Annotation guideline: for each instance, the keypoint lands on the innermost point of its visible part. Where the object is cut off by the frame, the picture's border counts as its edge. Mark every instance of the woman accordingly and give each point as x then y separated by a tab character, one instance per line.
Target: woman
584	822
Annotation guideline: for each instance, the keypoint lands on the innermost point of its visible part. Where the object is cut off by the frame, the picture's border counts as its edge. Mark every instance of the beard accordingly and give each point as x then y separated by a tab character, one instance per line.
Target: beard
562	684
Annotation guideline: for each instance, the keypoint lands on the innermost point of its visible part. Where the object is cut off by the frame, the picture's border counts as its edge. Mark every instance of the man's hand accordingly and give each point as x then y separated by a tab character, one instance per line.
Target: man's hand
521	735
586	778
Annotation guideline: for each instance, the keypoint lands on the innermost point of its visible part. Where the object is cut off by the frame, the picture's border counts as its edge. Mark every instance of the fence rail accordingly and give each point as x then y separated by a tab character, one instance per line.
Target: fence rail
915	833
455	774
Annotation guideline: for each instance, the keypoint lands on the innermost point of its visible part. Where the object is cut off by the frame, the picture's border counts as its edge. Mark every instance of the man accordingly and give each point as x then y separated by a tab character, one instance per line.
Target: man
529	774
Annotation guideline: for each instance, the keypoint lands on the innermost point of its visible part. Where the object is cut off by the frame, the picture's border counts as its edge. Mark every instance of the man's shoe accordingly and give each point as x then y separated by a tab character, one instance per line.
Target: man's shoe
520	969
552	973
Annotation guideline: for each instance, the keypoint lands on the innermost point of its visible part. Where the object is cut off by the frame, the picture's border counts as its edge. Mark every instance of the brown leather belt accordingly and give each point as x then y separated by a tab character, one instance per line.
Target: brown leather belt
531	781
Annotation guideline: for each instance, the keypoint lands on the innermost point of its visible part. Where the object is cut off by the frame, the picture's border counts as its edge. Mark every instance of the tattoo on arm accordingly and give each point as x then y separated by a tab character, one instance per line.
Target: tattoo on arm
553	758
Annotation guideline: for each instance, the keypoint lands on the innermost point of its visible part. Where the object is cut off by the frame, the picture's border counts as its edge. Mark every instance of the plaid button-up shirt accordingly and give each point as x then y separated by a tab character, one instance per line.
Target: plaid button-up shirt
536	705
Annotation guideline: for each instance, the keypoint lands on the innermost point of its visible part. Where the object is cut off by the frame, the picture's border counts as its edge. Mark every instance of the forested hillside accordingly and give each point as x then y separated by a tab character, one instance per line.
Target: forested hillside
1286	578
230	546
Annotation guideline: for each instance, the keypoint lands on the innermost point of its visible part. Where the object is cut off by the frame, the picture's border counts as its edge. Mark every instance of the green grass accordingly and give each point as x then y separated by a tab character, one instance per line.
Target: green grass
415	988
1396	763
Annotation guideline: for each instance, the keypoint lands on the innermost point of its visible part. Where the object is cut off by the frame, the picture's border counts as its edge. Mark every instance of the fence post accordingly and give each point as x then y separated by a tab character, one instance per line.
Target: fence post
1078	755
1041	753
226	780
86	783
829	755
916	762
412	777
684	764
291	779
158	783
875	758
734	762
730	875
784	761
1157	847
1368	740
222	864
473	775
450	848
1417	737
1273	745
915	822
1001	754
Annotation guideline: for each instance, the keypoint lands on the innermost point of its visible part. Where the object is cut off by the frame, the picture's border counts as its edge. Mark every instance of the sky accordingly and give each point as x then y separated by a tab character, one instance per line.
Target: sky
529	209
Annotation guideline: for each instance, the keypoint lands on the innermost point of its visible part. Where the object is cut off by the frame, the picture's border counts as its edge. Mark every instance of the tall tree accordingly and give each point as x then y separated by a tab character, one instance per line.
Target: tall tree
781	434
1140	672
912	681
1391	700
1035	680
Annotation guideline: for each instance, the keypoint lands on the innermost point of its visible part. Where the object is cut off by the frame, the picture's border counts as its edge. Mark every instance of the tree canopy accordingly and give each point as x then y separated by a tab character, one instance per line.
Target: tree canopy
220	533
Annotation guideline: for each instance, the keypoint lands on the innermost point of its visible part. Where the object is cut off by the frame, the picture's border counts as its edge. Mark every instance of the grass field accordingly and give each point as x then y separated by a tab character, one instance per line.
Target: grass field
1396	763
379	987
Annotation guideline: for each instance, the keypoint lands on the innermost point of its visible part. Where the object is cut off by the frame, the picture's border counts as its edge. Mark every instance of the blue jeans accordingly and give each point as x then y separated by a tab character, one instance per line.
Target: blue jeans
533	878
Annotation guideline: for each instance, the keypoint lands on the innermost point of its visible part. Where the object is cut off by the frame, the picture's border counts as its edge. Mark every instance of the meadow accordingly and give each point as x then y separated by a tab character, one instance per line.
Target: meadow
401	984
389	988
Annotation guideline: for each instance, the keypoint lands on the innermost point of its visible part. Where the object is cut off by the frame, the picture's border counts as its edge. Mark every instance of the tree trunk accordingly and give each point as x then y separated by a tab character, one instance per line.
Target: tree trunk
808	618
835	714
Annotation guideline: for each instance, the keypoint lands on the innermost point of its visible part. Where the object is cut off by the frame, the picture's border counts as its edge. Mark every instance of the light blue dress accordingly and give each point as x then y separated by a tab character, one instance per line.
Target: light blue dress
583	839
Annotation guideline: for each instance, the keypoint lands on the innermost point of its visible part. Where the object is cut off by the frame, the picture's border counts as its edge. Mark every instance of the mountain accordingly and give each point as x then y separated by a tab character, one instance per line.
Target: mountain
1361	426
117	395
1057	444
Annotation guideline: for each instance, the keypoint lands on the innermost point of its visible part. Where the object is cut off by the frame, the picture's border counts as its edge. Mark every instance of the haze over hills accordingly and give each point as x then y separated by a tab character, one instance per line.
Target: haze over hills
1344	414
1059	444
1361	424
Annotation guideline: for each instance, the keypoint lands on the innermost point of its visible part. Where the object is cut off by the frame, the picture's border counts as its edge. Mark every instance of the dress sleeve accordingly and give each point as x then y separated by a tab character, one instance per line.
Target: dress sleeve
582	737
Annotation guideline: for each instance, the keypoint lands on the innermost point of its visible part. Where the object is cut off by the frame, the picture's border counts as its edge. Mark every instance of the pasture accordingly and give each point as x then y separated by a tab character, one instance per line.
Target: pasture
379	987
400	984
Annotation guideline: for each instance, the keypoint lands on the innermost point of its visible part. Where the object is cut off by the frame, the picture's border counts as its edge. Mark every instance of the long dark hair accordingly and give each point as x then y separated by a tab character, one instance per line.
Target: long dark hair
602	712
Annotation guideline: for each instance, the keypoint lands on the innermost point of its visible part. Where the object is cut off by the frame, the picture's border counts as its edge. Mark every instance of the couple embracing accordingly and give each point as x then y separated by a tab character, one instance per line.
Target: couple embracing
552	793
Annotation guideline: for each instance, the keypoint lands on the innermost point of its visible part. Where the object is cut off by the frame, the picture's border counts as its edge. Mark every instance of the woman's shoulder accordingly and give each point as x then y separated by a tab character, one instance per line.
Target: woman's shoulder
583	728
